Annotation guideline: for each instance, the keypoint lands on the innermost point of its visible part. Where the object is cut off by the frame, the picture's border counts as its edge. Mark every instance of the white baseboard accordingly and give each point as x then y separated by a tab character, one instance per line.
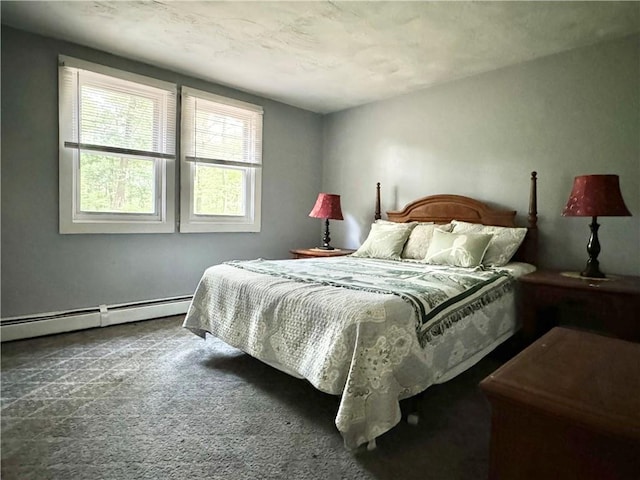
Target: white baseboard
17	328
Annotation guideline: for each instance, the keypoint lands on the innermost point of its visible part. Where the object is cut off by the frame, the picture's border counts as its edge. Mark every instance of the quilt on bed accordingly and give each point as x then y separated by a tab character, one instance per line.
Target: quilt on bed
372	331
440	296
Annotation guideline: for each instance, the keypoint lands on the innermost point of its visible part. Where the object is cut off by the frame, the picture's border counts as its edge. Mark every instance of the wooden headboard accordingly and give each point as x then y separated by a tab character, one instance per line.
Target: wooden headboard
444	208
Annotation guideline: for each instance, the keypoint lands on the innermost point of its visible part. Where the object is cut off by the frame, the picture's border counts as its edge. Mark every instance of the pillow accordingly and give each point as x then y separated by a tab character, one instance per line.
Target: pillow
458	250
420	239
503	245
385	240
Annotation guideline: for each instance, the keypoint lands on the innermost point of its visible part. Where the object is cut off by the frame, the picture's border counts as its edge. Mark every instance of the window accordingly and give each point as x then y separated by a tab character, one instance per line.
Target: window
221	160
117	150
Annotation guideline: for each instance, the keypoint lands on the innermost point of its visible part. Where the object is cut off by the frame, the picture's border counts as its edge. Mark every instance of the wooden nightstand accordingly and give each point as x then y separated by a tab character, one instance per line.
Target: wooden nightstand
317	253
549	298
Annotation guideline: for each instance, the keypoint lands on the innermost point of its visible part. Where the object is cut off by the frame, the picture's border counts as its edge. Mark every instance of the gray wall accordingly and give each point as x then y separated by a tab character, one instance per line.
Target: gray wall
569	114
565	115
43	271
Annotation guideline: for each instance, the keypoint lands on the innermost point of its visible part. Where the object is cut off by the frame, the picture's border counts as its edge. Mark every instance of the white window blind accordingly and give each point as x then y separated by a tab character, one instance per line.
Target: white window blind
221	131
221	143
117	141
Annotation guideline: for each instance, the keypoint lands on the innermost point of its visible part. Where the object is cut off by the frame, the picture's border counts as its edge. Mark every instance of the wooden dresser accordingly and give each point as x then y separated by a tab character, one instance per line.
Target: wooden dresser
567	407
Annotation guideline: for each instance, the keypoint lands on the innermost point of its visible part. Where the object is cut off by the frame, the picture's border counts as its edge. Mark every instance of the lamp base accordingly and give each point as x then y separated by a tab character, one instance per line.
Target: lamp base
592	270
326	238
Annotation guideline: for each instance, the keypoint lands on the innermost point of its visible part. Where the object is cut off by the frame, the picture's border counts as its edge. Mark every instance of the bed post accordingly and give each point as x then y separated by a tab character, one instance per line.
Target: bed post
531	251
377	215
533	201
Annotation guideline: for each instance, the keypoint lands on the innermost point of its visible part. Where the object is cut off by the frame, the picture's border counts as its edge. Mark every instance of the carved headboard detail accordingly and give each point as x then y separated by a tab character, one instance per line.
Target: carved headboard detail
444	208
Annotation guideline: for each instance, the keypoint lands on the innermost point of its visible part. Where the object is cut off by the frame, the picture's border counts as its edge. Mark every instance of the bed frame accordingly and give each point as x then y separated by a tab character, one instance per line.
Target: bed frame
444	208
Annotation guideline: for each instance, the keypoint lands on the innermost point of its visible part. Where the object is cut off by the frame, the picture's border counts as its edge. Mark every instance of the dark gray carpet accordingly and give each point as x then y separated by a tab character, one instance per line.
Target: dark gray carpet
150	400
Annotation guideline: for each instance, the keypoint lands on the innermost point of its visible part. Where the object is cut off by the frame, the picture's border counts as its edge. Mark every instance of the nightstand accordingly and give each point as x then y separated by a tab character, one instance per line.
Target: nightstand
610	306
318	253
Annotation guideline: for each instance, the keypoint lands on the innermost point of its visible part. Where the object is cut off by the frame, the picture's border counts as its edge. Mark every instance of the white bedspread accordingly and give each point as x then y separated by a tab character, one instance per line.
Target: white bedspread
358	344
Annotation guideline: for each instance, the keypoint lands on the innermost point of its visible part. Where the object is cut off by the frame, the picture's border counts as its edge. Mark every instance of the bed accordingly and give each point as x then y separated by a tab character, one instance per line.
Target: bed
371	328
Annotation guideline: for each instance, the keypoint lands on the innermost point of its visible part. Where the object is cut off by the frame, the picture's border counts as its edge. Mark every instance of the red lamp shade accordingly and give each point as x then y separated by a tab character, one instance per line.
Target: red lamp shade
596	196
327	206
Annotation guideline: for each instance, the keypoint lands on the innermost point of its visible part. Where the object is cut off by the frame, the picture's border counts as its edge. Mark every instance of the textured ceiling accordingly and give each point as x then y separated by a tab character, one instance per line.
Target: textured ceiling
328	56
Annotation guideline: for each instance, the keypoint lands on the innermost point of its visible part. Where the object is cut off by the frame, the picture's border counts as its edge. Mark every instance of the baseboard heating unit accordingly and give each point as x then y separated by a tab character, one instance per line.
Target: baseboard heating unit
16	328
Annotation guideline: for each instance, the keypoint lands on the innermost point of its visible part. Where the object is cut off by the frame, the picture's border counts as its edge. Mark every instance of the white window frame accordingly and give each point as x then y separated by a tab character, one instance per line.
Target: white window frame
72	220
193	223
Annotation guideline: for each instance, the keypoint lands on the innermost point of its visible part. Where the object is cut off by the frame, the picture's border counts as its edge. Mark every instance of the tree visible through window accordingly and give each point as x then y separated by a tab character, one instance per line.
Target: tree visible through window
117	155
117	133
109	183
218	191
221	163
116	184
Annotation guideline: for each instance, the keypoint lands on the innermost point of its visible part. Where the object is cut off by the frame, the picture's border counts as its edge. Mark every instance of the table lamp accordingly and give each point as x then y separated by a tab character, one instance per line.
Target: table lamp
328	207
595	196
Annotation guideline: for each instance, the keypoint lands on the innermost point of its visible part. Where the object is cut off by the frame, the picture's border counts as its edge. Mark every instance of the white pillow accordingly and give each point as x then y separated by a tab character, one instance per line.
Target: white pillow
458	250
420	239
385	240
503	245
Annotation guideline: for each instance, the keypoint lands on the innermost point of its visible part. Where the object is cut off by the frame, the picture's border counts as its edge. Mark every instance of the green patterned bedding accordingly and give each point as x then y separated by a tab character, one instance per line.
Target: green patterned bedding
440	295
372	331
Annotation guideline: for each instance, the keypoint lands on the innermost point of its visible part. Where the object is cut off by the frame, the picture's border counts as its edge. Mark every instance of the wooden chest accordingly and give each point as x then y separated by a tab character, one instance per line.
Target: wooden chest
567	407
